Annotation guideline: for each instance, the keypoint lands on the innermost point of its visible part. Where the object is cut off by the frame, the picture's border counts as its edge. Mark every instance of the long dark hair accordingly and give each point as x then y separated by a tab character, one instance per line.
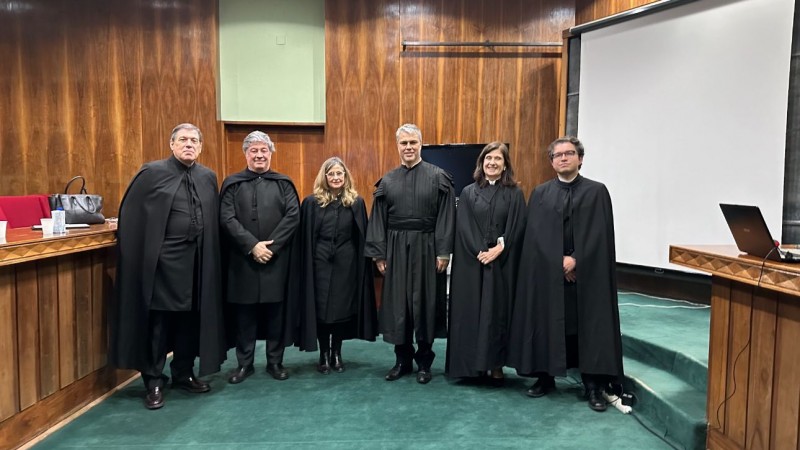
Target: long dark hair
507	177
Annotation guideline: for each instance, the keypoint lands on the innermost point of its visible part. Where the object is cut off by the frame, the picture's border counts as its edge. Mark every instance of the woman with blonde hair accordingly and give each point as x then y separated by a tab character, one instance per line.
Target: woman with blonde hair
336	281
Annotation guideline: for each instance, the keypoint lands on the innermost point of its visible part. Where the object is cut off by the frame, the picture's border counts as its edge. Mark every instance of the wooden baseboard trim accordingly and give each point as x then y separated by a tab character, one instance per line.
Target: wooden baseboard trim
717	440
41	416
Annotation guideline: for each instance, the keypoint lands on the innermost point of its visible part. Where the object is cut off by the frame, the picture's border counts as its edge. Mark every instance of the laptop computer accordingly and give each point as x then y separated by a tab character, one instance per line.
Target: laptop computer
752	235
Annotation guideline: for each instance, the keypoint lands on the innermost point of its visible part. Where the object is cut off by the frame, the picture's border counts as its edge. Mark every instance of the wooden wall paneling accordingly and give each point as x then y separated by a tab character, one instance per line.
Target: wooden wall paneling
362	51
300	150
79	95
67	324
38	418
718	361
762	349
786	388
75	93
589	10
9	392
27	334
47	280
739	357
178	77
99	323
119	143
476	94
83	313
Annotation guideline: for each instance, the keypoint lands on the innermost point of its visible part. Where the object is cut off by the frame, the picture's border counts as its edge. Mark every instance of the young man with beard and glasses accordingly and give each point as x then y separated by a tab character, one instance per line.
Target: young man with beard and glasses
565	314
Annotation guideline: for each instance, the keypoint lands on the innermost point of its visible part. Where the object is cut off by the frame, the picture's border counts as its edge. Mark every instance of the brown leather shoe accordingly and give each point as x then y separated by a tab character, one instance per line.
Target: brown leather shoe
240	374
278	371
191	384
154	398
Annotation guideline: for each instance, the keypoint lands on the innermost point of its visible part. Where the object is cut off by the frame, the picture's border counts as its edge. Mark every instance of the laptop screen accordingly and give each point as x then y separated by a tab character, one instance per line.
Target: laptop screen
750	230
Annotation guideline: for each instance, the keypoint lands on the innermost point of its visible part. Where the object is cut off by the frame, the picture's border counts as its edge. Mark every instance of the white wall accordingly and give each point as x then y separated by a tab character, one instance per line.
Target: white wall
684	109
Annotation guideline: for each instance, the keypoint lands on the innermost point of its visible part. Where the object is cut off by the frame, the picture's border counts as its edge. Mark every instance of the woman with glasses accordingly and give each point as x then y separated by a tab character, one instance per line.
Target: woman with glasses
336	281
490	221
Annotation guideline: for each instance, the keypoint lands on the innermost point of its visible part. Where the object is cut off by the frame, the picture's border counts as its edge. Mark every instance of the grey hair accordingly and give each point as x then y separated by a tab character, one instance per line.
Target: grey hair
409	128
185	126
258	136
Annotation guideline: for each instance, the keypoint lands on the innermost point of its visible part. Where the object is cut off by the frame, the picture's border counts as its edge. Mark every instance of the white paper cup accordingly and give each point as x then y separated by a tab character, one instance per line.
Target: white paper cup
3	226
47	227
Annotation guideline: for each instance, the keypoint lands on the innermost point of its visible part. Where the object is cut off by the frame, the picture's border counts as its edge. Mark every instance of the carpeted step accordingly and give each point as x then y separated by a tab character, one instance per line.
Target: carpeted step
667	404
656	354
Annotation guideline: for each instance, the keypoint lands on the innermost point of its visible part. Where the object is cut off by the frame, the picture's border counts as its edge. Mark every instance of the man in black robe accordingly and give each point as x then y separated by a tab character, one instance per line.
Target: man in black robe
410	238
566	312
259	214
168	273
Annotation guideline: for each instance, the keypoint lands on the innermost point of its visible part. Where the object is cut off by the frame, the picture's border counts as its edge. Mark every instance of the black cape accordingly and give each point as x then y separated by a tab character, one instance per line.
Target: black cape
412	223
481	296
366	315
538	319
244	223
143	215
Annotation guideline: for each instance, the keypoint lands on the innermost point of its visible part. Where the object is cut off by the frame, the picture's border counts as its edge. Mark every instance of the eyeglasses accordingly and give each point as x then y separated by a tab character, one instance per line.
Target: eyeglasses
568	153
334	174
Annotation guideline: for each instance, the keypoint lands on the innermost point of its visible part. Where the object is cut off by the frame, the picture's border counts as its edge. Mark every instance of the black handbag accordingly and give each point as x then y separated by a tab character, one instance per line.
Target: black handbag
79	208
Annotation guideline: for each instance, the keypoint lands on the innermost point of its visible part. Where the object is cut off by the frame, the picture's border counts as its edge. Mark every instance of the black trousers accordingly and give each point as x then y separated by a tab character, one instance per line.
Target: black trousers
247	319
181	329
404	352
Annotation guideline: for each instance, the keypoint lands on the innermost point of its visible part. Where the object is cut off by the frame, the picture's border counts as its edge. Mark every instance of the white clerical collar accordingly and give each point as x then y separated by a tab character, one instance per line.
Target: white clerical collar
568	180
491	182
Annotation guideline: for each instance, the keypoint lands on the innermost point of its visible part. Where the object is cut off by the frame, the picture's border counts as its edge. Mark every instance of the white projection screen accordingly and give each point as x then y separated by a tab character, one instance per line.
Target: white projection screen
681	110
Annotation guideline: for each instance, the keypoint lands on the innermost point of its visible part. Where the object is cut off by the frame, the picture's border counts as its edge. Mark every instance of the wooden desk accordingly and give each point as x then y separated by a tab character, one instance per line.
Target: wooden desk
54	297
754	349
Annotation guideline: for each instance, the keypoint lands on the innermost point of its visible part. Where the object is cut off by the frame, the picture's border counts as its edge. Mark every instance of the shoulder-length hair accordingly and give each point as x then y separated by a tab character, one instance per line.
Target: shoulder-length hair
507	177
322	191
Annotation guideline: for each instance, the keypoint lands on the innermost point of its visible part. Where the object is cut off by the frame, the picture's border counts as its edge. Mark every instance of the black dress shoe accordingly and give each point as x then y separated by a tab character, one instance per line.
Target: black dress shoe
596	400
542	386
240	374
337	363
154	398
277	371
424	376
324	364
398	371
192	385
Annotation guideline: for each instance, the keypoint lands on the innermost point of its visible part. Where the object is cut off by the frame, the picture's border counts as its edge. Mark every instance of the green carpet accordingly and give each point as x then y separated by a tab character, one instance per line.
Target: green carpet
665	344
354	409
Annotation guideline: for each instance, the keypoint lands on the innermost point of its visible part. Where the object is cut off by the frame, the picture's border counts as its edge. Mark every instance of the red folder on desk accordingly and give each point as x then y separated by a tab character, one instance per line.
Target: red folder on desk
24	210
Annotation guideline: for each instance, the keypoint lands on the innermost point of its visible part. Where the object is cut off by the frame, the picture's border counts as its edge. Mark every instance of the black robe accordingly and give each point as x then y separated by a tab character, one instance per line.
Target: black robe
538	320
412	223
143	216
359	270
481	296
259	207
